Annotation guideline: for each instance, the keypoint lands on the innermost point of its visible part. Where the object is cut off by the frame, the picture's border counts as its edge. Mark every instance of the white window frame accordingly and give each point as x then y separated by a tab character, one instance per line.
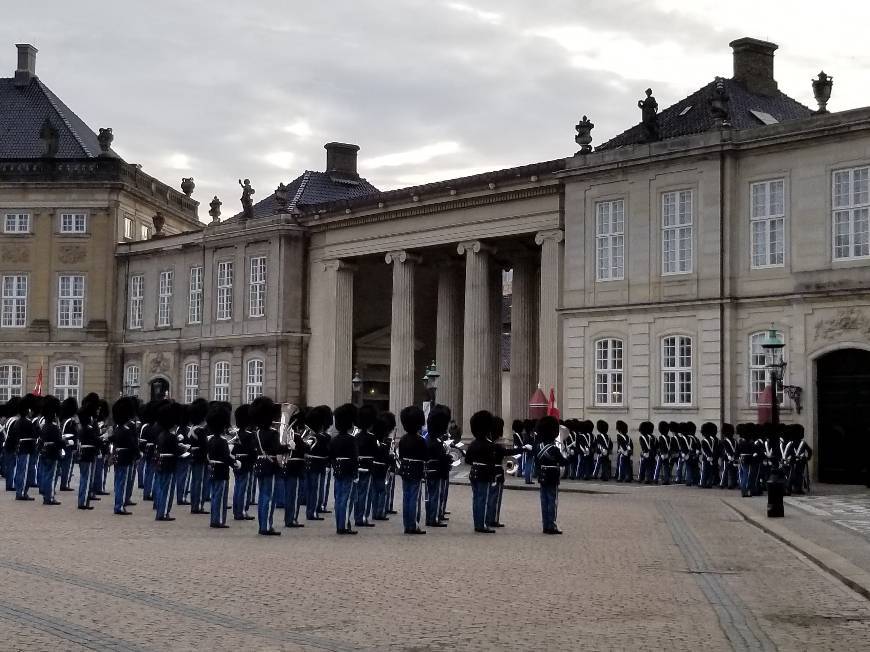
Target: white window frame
610	240
71	371
144	232
675	371
164	299
257	287
16	223
71	303
191	382
224	299
767	218
132	378
759	375
854	206
609	370
13	290
129	227
73	222
136	300
11	380
194	295
255	376
678	229
221	381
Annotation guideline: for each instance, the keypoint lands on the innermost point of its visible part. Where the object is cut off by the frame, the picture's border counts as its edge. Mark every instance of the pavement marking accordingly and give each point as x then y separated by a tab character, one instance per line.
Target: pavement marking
736	621
91	639
177	608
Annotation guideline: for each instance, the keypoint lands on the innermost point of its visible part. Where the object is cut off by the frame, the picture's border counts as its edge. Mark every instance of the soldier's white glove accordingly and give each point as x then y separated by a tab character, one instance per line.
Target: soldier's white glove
62	453
237	465
527	447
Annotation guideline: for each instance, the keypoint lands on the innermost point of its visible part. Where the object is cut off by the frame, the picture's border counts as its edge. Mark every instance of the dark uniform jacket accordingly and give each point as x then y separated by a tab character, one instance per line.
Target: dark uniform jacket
218	454
480	455
126	443
344	455
24	432
245	450
198	439
89	440
51	442
413	453
548	458
169	449
367	445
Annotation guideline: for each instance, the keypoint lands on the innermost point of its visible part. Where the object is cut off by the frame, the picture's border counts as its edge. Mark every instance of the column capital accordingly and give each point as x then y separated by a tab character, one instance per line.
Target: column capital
401	256
474	246
338	264
554	234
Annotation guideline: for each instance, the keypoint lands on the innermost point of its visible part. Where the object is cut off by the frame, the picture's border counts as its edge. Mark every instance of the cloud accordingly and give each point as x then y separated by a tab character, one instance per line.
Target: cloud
416	156
283	160
299	128
490	17
178	161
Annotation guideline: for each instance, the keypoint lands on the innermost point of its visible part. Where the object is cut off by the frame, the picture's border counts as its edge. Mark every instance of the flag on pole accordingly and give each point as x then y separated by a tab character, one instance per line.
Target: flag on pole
37	388
552	410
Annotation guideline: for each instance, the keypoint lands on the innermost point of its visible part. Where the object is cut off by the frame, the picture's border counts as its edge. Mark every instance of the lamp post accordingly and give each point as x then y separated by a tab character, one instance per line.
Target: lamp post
773	345
430	381
356	384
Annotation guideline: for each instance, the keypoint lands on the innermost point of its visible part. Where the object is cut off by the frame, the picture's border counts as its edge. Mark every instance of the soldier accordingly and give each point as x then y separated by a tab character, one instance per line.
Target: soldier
648	453
529	458
437	424
708	454
170	448
183	465
549	459
10	442
263	414
391	472
69	428
728	457
89	443
519	439
50	449
479	456
125	440
367	446
662	473
197	436
294	474
220	460
624	453
493	511
802	455
445	467
768	457
604	448
382	429
692	471
316	460
412	455
344	456
148	441
22	432
244	450
569	442
746	452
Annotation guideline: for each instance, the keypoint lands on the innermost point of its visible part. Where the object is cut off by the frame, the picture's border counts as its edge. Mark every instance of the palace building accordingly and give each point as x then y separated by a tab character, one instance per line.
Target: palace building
643	273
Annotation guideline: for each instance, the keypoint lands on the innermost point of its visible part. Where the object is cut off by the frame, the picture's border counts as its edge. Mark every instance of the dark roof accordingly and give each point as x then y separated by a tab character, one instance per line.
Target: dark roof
23	111
699	118
312	188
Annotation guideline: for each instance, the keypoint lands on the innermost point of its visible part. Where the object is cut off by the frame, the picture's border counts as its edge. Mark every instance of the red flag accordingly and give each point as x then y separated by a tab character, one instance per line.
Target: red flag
37	388
552	410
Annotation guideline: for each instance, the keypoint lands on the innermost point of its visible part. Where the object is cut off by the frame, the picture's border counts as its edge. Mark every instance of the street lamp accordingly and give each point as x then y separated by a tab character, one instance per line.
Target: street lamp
430	381
356	384
773	345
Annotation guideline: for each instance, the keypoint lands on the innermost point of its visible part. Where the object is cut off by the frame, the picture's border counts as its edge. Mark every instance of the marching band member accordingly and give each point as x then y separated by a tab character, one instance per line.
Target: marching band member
604	447
445	467
648	453
382	465
316	460
367	445
479	456
767	457
437	424
10	443
23	434
69	430
101	463
529	462
126	445
170	448
708	454
51	449
747	453
728	451
197	437
692	470
245	451
263	413
802	454
499	452
412	456
519	438
569	443
625	453
294	473
549	459
394	466
344	456
148	441
220	460
89	442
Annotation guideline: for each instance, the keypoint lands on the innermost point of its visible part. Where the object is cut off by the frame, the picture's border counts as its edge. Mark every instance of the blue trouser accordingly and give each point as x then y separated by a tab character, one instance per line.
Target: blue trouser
343	488
754	478
251	491
220	490
442	507
131	481
266	501
22	474
86	471
123	472
32	477
479	502
279	497
528	467
9	463
493	507
164	488
690	469
66	467
433	499
362	508
391	491
48	471
645	472
293	485
97	479
240	493
379	496
728	476
198	473
323	490
411	503
744	473
707	474
206	485
148	479
140	473
549	505
313	482
182	477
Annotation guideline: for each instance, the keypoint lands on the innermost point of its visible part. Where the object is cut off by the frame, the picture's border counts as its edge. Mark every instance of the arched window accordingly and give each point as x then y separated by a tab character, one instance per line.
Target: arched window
11	379
608	372
191	382
677	370
221	383
67	381
131	380
255	373
759	376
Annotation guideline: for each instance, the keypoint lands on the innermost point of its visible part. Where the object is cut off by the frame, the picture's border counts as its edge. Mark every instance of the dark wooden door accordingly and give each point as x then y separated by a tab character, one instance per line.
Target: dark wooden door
843	383
159	389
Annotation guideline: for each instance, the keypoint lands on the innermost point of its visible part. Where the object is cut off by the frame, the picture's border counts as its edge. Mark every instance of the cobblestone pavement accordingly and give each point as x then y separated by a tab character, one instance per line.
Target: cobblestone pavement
670	568
849	511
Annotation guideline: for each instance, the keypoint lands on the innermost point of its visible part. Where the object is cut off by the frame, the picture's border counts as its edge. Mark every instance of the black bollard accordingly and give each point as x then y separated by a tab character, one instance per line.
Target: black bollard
775	493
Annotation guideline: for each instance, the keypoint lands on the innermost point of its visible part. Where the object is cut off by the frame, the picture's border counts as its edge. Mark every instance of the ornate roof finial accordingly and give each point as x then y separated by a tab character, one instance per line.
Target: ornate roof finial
49	137
719	103
649	116
187	185
822	90
247	202
584	135
215	210
282	196
158	220
105	139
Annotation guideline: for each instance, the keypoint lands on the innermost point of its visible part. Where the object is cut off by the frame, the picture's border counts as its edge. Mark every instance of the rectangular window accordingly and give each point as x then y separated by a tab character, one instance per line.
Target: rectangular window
677	370
225	290
608	372
610	240
131	380
257	289
16	223
767	223
73	223
254	379
164	299
191	382
221	382
194	296
759	376
851	218
137	296
11	376
67	381
14	302
677	232
145	232
129	228
71	301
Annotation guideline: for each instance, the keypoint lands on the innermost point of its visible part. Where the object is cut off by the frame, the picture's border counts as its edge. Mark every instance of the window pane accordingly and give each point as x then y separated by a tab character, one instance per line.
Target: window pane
842	188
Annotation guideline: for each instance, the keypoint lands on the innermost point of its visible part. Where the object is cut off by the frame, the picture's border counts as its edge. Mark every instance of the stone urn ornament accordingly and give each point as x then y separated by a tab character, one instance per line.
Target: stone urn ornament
105	139
158	220
584	136
215	210
822	90
282	197
187	185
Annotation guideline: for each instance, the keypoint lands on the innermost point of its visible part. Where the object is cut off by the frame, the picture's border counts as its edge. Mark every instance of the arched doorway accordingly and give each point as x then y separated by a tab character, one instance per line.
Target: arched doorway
159	389
843	399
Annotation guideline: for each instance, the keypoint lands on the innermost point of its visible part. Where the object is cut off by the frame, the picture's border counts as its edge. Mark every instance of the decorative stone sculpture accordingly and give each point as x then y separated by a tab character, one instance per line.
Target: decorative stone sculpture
822	90
105	139
187	185
584	135
215	210
649	116
282	196
719	103
49	137
158	220
247	201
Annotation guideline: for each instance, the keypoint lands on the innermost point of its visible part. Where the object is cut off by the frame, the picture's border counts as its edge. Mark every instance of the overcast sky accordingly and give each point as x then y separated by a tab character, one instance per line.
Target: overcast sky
429	89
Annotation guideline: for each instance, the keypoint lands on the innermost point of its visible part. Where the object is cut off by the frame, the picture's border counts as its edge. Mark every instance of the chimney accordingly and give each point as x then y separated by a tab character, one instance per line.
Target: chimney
753	65
26	64
341	159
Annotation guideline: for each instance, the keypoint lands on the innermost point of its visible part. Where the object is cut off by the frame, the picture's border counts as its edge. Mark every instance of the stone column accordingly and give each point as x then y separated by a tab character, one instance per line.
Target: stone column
402	330
448	338
549	364
493	378
524	349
